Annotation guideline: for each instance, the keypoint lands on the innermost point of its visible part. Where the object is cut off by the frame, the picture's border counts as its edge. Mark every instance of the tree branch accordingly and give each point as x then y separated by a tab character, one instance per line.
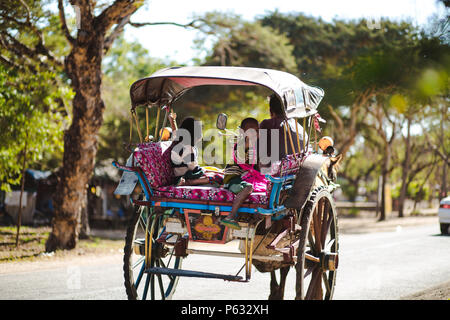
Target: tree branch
364	97
378	125
337	118
15	46
115	33
7	62
144	24
439	153
434	148
119	13
62	18
115	13
20	49
391	139
40	48
27	9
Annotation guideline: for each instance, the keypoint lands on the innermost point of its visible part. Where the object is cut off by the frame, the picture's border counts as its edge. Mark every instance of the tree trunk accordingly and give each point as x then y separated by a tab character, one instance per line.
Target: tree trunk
443	191
405	170
379	184
83	65
383	198
22	185
384	179
85	231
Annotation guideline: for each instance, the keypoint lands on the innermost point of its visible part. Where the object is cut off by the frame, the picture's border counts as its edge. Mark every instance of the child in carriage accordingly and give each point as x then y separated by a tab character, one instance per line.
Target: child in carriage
184	156
243	177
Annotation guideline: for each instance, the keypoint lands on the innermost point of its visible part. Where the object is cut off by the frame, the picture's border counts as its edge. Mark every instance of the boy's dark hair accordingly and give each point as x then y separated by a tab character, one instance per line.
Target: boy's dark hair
188	124
275	105
247	122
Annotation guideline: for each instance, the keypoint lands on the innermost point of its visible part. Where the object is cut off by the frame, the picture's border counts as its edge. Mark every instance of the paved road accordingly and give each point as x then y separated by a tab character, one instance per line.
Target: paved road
385	265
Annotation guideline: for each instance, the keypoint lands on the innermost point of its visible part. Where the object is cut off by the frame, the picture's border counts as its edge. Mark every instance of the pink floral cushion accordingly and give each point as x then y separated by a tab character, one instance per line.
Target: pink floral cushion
154	160
288	165
206	193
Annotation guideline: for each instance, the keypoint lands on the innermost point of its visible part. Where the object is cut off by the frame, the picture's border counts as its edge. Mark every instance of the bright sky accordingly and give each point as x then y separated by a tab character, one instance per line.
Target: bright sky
176	43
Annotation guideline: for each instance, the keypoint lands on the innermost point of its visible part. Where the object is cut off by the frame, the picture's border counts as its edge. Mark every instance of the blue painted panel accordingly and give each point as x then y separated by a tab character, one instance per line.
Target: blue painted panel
147	196
199	206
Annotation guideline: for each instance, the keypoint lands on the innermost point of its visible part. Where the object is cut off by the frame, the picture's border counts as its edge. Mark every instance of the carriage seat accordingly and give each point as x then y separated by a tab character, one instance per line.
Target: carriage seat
154	160
206	193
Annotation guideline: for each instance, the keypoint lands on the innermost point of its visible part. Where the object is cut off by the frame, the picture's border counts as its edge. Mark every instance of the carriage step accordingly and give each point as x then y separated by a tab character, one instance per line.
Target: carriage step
192	274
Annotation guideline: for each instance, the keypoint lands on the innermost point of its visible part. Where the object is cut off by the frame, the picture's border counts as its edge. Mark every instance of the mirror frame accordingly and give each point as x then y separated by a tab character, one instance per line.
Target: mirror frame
220	121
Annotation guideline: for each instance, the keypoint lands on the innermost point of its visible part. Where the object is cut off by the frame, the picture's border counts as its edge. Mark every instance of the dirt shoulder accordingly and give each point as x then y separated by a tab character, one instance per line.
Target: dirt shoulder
440	292
368	223
102	247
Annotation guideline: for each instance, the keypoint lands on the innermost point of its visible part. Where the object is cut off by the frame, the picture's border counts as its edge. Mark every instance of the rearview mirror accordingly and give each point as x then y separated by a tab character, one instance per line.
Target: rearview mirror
221	122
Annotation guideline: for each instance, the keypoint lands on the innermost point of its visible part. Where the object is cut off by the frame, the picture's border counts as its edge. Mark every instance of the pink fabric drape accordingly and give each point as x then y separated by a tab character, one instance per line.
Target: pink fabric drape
253	176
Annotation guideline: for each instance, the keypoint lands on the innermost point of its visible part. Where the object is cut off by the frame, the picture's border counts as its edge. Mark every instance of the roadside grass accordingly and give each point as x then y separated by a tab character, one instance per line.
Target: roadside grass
32	245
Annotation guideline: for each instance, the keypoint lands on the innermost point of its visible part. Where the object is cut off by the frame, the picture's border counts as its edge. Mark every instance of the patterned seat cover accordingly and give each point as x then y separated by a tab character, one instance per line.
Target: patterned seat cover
154	160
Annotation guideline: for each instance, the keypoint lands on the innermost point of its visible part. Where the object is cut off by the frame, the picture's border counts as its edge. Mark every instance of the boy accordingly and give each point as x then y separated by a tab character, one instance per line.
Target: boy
234	173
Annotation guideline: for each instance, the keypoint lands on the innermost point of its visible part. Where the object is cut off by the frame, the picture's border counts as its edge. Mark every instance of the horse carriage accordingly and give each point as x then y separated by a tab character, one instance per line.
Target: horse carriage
292	225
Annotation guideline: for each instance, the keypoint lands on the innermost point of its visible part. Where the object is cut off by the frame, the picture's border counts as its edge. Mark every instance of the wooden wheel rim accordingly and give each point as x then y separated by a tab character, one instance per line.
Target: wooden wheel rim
316	280
141	285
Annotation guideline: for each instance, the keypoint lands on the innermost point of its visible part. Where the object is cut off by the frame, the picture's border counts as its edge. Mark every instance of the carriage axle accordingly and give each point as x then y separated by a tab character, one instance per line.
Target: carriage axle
193	274
327	260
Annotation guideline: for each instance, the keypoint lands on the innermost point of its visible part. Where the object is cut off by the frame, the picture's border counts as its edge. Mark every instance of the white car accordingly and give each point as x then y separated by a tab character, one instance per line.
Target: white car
444	215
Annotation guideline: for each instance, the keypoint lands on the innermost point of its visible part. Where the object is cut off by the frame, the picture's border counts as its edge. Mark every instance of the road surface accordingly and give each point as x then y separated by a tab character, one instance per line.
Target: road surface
384	265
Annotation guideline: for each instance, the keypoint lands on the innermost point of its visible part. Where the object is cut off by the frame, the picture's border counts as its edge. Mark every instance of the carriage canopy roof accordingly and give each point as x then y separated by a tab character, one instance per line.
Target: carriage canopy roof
166	85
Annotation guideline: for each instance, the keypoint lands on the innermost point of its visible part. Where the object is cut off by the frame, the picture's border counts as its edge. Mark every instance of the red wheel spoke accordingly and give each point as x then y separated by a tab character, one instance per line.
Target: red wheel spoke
314	284
319	290
308	272
316	229
325	228
312	258
312	243
330	244
327	284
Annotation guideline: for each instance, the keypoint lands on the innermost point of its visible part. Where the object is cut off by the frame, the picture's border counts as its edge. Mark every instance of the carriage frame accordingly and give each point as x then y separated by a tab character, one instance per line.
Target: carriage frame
296	227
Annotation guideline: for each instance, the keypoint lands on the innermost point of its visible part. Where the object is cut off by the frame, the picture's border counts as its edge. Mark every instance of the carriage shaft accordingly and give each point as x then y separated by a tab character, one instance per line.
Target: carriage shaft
236	255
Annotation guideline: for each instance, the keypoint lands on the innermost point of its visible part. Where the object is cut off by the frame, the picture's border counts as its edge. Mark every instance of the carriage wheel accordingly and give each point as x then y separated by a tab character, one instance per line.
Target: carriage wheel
317	256
138	284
